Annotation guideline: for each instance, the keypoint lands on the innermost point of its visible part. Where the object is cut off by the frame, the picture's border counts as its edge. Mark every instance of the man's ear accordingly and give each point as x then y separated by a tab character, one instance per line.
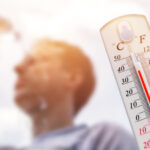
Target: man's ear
74	80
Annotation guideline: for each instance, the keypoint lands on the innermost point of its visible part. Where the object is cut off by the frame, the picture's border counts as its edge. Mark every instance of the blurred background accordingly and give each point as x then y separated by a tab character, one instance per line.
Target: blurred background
74	21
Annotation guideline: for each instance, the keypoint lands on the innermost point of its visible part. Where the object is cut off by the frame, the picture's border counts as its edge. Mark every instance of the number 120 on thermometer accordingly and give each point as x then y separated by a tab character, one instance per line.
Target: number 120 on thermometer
127	43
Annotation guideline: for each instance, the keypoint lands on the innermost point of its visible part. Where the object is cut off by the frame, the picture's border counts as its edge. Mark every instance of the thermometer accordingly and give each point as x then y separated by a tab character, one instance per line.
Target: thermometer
127	43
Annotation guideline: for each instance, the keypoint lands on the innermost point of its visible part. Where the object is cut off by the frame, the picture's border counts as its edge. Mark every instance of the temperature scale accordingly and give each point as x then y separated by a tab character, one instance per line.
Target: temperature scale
127	42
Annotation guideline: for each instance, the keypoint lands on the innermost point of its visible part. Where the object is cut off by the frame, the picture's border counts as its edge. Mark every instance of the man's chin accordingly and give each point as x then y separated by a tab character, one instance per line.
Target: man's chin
26	101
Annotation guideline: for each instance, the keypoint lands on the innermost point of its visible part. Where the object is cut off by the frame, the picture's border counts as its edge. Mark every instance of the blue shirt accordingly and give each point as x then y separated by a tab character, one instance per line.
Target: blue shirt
101	137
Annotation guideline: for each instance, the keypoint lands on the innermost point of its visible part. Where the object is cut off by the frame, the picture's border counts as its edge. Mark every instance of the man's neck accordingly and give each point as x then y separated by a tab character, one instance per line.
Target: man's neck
52	119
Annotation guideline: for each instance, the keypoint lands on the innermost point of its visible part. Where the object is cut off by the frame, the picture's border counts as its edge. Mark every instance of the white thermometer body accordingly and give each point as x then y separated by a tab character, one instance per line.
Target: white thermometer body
127	43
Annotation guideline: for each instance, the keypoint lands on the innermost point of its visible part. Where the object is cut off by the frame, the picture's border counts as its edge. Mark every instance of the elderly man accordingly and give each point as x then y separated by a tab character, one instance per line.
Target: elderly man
55	80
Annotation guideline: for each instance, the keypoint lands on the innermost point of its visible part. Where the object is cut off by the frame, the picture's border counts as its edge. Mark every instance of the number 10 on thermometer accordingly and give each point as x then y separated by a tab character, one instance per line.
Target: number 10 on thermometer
127	43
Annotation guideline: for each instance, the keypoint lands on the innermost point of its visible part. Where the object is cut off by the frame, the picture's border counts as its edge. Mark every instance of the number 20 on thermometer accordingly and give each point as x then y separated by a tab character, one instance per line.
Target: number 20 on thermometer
127	43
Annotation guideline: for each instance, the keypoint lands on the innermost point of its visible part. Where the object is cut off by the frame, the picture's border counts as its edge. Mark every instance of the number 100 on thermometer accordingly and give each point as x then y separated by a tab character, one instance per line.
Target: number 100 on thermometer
127	43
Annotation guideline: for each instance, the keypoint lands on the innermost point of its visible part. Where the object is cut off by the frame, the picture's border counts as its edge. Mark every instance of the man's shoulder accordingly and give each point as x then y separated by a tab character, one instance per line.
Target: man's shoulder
107	135
107	129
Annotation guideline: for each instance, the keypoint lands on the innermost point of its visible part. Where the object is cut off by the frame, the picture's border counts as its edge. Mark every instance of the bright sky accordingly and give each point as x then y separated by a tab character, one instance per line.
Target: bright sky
75	21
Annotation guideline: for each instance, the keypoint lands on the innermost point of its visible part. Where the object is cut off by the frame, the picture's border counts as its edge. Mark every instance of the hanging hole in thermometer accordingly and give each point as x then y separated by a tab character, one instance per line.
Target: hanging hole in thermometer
125	31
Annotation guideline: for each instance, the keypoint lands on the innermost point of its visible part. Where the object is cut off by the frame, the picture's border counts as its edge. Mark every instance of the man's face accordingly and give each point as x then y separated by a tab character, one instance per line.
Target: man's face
40	82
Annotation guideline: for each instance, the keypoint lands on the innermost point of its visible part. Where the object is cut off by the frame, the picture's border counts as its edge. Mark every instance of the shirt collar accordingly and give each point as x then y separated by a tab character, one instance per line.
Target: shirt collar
65	137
